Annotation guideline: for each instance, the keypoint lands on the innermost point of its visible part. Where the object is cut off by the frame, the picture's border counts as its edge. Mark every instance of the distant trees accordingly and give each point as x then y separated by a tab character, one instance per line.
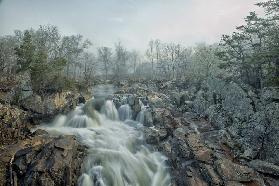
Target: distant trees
7	57
150	53
35	60
105	57
52	61
134	60
174	61
248	55
120	61
72	48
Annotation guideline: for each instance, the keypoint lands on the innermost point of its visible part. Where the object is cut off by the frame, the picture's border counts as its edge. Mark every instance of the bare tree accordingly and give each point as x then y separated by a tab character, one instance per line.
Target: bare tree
104	56
150	55
121	57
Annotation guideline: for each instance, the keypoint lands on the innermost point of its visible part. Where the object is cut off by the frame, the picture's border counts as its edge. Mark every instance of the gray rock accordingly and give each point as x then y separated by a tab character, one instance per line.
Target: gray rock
265	167
57	162
230	171
270	94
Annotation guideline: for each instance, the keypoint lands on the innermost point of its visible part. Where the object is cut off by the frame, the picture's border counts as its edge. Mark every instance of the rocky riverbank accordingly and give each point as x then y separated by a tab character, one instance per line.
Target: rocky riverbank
36	158
205	134
178	122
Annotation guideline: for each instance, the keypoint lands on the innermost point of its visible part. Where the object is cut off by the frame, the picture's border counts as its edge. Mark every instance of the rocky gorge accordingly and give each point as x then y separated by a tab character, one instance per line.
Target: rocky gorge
208	137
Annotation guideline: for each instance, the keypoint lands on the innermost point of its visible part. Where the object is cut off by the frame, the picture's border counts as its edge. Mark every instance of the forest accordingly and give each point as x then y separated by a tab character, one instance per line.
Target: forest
216	106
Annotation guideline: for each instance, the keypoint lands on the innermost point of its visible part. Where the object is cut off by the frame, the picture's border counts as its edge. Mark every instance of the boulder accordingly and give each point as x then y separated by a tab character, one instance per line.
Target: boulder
230	171
56	161
155	135
194	179
198	149
270	94
163	118
43	107
210	174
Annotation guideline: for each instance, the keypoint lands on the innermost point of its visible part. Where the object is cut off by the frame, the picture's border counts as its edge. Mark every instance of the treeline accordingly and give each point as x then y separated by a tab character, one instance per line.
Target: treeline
249	55
53	62
45	60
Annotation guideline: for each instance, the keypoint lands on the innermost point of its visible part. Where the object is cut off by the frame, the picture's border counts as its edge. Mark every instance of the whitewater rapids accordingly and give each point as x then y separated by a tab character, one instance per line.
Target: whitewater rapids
117	155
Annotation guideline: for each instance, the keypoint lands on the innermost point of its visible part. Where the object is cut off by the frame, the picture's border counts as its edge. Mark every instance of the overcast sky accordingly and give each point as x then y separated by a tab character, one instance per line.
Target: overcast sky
134	22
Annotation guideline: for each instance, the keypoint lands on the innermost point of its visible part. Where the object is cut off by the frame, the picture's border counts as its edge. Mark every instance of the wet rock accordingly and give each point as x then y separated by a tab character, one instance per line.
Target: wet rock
145	117
234	183
155	135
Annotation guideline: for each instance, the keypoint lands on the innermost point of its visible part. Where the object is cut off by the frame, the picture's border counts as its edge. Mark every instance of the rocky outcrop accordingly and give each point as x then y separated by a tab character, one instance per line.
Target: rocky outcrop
13	124
250	118
42	160
265	167
35	158
208	134
44	107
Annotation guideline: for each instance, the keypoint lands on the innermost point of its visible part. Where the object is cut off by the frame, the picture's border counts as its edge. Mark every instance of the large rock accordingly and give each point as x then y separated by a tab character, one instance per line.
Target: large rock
194	179
230	171
270	94
198	149
163	118
13	124
43	107
265	167
155	135
57	162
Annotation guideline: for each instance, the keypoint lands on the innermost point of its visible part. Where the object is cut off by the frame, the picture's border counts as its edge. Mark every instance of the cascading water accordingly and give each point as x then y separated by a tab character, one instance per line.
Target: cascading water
141	117
125	112
116	152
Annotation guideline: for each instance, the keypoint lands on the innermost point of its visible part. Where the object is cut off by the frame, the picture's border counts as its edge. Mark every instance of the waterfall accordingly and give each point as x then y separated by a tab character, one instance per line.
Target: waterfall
109	110
144	115
140	116
125	112
117	155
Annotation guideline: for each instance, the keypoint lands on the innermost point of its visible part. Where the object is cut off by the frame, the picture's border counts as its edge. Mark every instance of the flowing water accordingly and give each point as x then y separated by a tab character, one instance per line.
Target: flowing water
125	112
117	155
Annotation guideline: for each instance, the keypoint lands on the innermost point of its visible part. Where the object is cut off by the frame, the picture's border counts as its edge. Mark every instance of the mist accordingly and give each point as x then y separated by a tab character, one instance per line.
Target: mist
133	23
